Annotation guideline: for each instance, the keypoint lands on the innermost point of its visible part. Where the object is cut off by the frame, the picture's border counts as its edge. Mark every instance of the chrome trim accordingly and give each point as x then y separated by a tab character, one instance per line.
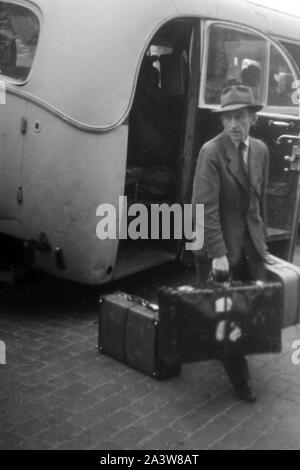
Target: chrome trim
287	137
64	117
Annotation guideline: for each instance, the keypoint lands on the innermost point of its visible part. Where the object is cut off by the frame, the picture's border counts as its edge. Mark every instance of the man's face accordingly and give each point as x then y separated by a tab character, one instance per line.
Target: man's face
237	124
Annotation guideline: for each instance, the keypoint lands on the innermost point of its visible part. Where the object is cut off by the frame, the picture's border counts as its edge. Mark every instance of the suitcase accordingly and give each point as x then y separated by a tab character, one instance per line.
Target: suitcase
289	275
219	320
129	331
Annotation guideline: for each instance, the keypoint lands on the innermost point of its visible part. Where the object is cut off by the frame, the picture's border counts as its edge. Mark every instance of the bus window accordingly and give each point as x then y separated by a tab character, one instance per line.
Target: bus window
19	31
294	50
234	57
281	79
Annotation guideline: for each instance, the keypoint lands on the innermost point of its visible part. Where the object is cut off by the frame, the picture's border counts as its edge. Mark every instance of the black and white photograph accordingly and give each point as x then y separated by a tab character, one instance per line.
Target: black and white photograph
149	227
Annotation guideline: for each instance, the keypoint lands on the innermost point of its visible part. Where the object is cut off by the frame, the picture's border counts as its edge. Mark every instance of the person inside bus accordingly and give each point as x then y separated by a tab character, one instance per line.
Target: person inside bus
8	53
230	182
250	75
280	92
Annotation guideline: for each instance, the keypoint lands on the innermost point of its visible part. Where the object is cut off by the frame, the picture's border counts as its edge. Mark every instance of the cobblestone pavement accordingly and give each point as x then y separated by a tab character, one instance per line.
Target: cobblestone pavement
57	392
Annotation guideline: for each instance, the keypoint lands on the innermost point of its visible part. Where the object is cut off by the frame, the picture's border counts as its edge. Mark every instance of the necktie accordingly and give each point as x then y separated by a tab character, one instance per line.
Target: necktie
241	153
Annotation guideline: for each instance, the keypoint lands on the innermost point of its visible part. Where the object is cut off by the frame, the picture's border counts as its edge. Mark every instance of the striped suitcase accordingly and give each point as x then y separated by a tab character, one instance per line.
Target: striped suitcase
130	331
288	275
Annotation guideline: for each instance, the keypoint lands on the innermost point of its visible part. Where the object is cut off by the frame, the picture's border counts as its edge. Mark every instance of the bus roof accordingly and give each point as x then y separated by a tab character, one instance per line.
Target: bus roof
280	24
88	53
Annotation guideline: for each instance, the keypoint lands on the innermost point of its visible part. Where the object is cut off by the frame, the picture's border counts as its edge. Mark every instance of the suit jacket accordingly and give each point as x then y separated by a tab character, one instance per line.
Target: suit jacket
233	201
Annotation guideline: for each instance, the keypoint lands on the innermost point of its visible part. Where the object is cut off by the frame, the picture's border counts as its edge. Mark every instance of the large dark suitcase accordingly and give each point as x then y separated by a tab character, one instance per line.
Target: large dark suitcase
129	331
219	320
289	276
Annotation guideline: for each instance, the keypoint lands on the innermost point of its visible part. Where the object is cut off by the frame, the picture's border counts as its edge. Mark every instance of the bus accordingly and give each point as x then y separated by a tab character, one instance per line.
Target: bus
105	100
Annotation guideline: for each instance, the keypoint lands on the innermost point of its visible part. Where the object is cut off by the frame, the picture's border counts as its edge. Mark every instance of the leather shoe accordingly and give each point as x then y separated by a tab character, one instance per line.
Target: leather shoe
244	392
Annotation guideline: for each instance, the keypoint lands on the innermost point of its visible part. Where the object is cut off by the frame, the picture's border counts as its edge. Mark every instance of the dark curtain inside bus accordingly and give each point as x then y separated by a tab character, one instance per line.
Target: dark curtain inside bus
157	116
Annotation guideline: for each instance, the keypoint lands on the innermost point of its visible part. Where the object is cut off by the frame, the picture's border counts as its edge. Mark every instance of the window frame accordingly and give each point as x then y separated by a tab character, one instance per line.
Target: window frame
282	42
267	109
276	109
37	12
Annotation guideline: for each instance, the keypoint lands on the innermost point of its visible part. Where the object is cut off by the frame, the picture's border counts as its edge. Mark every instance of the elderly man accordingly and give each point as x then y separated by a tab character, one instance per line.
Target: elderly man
230	181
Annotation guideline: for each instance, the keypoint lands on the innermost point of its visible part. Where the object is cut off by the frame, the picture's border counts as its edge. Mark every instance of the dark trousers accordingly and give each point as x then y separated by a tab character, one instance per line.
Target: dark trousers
250	267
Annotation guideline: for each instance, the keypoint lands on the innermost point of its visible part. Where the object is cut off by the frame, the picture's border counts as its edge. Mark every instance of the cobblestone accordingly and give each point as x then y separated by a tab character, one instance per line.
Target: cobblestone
58	392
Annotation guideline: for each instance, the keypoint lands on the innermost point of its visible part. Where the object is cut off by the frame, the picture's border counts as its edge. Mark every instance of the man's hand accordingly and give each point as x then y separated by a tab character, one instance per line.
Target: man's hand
220	265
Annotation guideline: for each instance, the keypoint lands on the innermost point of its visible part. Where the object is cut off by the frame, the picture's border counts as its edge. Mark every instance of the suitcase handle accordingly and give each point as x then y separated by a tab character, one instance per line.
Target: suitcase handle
213	280
142	302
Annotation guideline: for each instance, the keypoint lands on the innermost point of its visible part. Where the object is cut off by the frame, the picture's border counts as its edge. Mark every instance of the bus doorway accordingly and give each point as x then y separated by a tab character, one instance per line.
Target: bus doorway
157	125
234	55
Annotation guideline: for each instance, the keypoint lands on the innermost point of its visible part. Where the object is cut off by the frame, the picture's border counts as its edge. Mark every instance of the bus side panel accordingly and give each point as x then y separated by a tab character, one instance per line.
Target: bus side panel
67	174
11	143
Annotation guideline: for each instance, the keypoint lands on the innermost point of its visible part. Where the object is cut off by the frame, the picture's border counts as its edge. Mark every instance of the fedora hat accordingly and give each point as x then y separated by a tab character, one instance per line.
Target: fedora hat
237	97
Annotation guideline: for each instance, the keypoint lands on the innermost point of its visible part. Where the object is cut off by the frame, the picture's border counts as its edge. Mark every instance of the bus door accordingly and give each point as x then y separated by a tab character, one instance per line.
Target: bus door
12	120
157	125
279	127
19	30
232	55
